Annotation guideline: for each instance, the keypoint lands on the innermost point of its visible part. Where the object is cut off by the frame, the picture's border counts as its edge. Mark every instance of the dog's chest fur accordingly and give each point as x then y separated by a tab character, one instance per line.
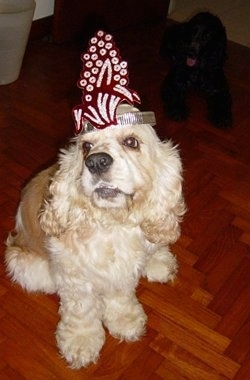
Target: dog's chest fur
110	260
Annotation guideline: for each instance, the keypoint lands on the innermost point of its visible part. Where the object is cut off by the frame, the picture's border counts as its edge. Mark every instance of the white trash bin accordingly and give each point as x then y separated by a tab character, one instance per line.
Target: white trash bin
15	22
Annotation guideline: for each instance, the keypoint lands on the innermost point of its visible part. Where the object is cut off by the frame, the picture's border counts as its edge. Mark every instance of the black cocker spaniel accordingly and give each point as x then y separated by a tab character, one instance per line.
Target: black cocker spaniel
197	50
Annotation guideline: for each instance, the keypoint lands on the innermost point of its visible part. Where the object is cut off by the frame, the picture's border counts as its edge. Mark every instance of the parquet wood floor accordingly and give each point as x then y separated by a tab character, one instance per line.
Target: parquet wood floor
198	327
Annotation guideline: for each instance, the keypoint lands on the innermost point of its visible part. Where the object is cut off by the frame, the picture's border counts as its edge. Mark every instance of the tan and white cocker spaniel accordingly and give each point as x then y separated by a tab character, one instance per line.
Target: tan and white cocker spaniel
90	226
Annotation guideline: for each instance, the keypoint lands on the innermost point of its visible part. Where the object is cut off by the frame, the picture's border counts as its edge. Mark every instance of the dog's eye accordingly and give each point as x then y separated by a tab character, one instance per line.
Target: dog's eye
86	146
131	142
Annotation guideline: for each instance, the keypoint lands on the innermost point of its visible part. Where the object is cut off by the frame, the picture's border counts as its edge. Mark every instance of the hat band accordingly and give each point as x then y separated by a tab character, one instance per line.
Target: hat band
125	119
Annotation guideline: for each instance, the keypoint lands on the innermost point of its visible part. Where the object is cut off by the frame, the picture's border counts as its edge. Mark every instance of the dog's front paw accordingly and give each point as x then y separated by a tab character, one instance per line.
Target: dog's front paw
125	318
162	267
79	348
219	110
174	101
180	113
221	120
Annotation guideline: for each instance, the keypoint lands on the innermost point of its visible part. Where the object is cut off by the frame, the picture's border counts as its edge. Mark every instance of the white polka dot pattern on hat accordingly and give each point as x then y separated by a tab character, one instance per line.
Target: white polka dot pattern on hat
104	81
100	51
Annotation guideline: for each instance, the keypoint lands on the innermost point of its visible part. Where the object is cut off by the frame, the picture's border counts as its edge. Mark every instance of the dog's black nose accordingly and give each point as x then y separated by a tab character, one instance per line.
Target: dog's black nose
98	163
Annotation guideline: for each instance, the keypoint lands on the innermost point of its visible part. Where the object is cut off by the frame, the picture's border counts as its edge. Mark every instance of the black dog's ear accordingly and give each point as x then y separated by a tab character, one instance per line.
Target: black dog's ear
222	46
171	40
216	52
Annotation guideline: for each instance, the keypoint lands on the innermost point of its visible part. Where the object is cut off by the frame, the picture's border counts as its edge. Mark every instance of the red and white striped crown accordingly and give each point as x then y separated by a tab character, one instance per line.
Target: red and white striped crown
104	81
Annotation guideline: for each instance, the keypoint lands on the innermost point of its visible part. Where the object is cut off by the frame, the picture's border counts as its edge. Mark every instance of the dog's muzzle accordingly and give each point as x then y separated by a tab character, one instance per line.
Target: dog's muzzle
106	191
98	163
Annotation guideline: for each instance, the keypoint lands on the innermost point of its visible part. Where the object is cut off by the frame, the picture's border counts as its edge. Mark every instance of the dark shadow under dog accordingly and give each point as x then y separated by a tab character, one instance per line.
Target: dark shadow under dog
198	50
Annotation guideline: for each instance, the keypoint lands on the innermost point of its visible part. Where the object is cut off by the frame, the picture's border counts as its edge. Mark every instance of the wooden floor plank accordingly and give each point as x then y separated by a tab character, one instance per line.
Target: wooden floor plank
194	345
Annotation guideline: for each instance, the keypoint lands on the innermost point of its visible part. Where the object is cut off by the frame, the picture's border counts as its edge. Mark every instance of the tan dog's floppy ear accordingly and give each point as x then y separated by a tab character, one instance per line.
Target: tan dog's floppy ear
53	216
63	206
165	205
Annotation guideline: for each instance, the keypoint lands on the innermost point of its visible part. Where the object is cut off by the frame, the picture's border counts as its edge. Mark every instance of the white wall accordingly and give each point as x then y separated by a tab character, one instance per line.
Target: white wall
44	8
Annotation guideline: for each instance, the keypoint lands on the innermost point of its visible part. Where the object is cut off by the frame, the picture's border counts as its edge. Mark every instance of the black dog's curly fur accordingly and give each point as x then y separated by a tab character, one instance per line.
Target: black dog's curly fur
197	49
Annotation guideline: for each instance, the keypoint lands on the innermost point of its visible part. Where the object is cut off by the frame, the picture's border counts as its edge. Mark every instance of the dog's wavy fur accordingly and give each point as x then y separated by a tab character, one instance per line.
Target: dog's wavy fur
198	51
89	237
